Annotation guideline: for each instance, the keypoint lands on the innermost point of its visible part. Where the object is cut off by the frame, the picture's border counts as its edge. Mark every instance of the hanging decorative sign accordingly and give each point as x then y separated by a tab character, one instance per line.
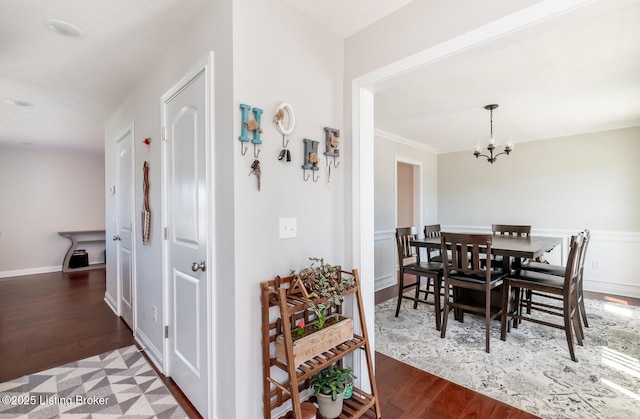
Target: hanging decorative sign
331	144
284	112
146	210
310	159
252	125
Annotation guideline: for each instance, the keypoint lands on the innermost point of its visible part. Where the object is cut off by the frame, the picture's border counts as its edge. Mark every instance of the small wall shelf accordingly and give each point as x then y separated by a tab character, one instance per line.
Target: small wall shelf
77	237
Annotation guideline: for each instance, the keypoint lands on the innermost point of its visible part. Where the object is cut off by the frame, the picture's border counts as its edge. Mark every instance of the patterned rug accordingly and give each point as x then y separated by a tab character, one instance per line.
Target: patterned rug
112	385
532	370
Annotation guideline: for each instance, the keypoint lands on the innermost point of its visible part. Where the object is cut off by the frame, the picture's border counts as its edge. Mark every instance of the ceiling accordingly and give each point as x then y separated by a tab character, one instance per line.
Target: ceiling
75	84
569	75
579	76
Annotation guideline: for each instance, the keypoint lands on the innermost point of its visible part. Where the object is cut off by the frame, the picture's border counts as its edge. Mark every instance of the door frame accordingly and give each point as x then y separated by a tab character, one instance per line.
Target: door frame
205	65
134	230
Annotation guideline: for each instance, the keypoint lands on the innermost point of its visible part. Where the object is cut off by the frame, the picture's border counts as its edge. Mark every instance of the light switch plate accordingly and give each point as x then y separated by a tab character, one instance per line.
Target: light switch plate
288	228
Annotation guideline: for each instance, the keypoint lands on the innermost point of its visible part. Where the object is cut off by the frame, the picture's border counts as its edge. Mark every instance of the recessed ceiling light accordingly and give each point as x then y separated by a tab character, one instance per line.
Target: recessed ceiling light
16	102
64	28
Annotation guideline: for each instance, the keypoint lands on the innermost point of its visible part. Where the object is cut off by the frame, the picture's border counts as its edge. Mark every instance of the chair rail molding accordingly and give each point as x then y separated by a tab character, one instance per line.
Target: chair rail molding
609	262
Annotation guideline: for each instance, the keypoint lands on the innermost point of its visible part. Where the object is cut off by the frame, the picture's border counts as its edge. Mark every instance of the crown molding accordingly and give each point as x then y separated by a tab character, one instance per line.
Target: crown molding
404	141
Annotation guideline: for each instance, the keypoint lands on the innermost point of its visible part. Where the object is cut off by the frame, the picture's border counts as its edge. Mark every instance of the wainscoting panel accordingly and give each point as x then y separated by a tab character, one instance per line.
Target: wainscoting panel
385	259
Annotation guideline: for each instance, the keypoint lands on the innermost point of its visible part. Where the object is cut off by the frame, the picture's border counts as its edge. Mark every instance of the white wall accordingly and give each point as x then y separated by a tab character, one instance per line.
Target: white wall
43	192
387	153
282	56
559	186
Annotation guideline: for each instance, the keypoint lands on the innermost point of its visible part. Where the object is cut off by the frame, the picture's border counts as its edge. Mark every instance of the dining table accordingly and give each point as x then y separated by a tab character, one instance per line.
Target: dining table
512	249
515	247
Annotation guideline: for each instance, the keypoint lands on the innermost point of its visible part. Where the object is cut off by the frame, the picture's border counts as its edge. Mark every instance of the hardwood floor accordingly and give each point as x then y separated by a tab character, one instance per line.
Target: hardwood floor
51	319
407	393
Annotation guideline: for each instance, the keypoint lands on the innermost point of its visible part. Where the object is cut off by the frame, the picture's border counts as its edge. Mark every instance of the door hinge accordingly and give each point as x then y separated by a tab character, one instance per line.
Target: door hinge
166	332
166	233
164	134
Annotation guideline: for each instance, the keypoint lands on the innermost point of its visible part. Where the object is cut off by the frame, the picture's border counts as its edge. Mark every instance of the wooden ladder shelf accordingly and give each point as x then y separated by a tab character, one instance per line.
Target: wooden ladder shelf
291	308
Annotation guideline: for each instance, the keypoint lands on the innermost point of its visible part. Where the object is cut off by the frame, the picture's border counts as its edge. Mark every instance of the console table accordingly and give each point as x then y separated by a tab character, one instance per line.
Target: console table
77	237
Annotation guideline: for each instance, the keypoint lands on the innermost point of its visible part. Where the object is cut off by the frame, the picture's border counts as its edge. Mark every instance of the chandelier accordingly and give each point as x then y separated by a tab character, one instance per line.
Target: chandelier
492	141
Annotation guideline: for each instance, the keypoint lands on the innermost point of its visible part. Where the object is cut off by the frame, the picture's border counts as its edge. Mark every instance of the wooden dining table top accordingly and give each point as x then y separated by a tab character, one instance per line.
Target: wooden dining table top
519	247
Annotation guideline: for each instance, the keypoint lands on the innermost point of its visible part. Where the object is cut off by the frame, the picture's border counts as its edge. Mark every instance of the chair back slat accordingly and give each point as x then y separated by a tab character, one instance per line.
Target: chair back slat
583	250
465	252
511	230
433	230
404	235
572	270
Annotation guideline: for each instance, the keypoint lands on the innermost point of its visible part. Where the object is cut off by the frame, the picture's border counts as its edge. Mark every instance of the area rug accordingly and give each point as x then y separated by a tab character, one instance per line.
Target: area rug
115	384
532	370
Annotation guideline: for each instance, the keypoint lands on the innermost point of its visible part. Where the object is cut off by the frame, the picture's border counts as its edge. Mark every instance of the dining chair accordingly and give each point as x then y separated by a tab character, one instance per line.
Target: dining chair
433	230
511	230
508	230
558	270
409	264
565	289
463	272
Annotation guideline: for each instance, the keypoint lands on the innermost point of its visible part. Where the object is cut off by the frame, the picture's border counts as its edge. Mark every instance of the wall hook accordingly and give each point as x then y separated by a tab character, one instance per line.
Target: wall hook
334	162
305	176
254	151
310	159
243	150
284	145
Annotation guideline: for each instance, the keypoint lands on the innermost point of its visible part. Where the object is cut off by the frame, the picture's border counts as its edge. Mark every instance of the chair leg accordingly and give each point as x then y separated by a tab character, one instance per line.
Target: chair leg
487	321
567	329
505	309
437	291
517	307
575	316
400	289
445	313
417	294
583	313
426	293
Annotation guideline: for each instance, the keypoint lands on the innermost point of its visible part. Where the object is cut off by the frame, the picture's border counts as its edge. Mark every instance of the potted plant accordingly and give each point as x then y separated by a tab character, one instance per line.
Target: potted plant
322	280
323	286
329	386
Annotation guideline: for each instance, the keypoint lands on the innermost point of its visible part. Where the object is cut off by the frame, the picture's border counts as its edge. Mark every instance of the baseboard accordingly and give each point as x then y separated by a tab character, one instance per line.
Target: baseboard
385	282
111	302
609	288
30	271
152	352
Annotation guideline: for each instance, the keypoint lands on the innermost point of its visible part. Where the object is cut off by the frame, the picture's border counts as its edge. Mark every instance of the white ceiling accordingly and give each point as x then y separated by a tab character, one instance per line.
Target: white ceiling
578	76
76	84
570	75
346	17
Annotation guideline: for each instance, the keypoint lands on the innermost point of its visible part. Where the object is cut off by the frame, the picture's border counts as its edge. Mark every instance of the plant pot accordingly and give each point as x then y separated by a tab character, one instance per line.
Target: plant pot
330	409
348	391
317	342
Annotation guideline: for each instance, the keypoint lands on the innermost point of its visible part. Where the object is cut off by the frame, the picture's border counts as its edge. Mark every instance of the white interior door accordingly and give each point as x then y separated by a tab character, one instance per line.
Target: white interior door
124	226
188	270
